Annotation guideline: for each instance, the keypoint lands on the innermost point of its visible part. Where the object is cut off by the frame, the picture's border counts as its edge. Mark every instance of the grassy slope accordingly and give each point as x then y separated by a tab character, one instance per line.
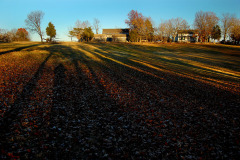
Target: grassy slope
151	85
214	65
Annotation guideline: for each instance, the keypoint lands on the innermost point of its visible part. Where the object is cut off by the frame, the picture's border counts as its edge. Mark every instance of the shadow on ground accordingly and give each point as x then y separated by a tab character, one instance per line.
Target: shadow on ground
18	49
114	108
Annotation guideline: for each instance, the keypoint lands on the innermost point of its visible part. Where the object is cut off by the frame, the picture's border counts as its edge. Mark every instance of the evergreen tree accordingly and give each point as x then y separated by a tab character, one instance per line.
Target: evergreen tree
216	32
51	31
87	34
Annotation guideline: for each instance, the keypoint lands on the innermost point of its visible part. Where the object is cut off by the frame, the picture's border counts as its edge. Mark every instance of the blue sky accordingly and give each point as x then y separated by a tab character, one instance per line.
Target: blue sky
111	13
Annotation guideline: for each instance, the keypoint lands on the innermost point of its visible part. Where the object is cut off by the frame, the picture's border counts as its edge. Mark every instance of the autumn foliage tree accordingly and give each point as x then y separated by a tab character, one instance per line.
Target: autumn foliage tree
148	28
22	34
140	27
235	30
135	22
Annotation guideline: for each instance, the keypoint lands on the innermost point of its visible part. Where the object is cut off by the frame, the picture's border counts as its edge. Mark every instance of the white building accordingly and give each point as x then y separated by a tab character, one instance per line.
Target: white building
187	36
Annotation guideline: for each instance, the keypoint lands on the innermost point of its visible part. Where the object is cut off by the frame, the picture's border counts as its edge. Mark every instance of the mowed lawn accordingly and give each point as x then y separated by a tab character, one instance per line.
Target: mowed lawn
119	101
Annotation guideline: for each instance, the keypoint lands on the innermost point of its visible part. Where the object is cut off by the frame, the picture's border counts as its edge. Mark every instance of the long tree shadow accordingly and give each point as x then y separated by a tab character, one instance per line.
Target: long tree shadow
59	97
89	108
175	64
86	122
191	93
21	101
213	50
18	49
98	119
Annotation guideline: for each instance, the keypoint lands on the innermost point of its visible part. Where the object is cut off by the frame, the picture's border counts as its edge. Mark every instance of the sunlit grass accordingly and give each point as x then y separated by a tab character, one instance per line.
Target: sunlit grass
207	63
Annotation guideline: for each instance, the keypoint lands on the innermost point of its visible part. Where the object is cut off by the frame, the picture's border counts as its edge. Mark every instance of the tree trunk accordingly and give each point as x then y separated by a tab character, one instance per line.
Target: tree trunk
173	39
41	38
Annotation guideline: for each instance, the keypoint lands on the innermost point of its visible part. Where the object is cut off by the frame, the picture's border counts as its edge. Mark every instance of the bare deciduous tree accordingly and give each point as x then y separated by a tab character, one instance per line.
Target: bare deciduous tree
82	25
204	22
96	25
169	28
86	24
1	31
78	30
8	36
162	29
178	24
227	22
33	22
78	24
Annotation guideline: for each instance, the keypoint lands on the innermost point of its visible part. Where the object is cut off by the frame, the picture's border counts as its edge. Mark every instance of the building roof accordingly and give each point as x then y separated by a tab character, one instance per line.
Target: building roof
113	35
190	31
116	31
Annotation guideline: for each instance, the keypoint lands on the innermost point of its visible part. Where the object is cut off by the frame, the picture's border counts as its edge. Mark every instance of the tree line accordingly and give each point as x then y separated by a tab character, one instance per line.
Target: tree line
20	34
206	24
33	23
